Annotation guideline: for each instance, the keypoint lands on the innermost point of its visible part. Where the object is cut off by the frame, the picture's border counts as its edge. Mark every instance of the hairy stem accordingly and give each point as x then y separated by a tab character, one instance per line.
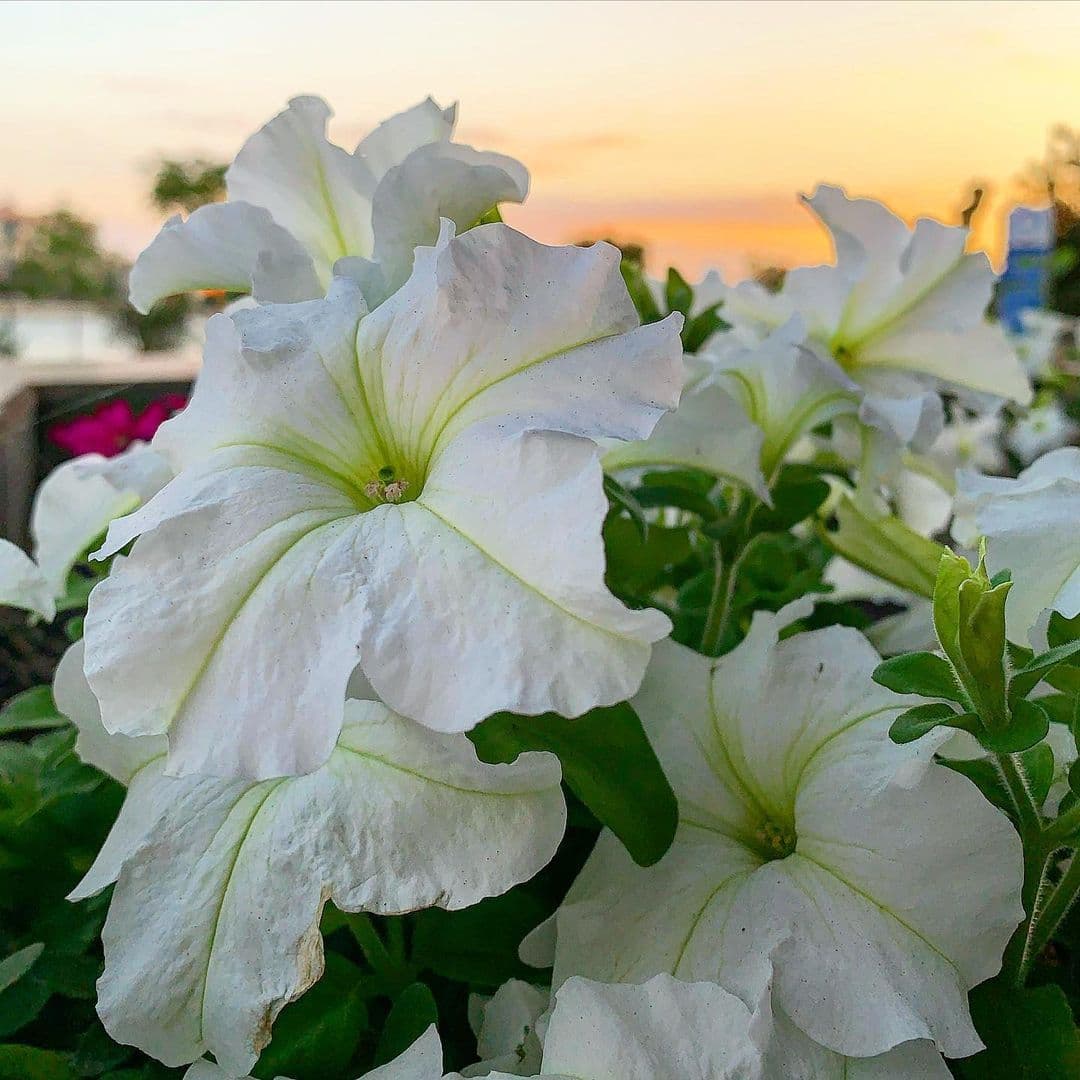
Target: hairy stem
1046	919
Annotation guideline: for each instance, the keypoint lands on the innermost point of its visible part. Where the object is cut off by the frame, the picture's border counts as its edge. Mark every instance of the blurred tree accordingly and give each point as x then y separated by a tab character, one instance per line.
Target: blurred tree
62	261
187	185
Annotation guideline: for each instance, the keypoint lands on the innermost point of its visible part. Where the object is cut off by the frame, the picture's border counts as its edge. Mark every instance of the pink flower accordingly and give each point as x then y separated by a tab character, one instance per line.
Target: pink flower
113	426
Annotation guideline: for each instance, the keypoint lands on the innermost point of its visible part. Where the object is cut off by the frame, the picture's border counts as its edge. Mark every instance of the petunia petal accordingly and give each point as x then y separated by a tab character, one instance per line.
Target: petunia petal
22	584
473	553
121	756
77	501
1030	525
313	189
808	852
710	430
396	138
493	324
214	922
232	246
436	181
662	1030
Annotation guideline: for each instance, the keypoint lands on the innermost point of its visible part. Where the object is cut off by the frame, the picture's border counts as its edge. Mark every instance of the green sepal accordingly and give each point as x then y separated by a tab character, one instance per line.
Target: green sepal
981	643
884	546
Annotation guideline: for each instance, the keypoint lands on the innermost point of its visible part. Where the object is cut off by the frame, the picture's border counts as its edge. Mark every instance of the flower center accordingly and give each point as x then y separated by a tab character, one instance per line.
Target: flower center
387	486
844	357
775	841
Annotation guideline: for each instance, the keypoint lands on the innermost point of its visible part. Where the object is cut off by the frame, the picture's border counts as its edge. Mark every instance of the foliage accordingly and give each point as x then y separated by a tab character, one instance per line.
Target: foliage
63	261
187	185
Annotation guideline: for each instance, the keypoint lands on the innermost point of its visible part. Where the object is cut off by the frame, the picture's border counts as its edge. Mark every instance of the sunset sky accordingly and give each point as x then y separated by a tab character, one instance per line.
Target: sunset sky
687	127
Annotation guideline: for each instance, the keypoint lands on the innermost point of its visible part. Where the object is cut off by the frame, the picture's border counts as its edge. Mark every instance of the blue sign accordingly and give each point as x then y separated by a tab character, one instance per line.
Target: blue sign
1025	283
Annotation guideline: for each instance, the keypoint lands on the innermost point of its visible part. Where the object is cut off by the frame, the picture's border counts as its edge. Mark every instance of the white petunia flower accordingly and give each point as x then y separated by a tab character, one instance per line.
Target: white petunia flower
922	486
220	884
72	509
298	204
1042	337
1030	527
507	1036
743	410
811	852
902	311
22	584
417	491
1043	428
662	1030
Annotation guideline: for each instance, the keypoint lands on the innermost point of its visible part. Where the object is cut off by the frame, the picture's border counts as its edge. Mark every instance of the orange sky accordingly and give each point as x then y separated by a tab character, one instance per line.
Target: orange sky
689	127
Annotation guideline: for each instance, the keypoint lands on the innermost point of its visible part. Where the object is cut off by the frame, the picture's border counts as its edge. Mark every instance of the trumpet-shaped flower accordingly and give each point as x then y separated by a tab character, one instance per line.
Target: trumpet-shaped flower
744	409
507	1029
1045	427
72	509
416	491
220	884
1030	527
902	311
663	1030
811	852
298	204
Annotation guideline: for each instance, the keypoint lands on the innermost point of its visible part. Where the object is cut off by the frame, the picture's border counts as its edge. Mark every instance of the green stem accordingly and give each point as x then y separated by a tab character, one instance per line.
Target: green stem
1037	861
725	579
1027	813
1063	830
719	604
1044	922
371	944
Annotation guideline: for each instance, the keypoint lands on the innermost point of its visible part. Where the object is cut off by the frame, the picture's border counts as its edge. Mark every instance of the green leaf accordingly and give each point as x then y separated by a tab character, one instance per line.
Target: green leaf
701	327
1027	726
412	1014
636	565
634	276
15	966
1060	631
97	1053
677	293
923	673
1038	766
316	1036
607	763
798	494
478	945
921	720
621	499
32	1063
32	710
1028	677
22	1002
982	773
683	498
1029	1035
